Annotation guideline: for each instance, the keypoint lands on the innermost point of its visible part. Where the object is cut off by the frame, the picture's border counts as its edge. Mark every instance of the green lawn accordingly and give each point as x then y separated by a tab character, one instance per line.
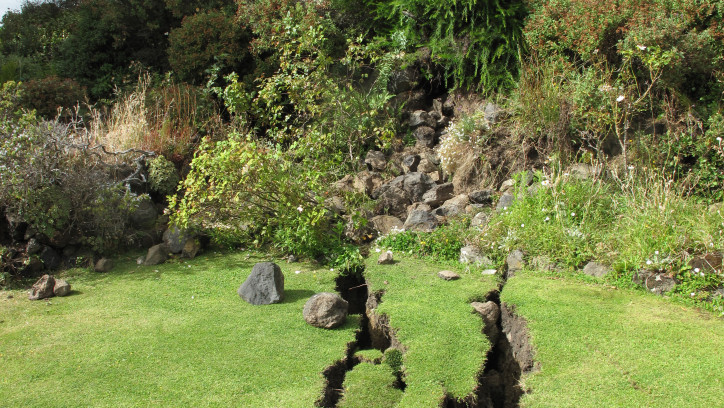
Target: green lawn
168	335
445	345
605	347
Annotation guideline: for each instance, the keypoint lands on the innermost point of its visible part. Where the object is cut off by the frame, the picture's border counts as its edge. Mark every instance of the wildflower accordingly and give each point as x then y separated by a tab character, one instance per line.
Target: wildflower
648	262
297	272
300	209
522	225
377	250
718	139
331	269
656	252
573	214
620	98
547	219
641	47
693	294
696	270
630	167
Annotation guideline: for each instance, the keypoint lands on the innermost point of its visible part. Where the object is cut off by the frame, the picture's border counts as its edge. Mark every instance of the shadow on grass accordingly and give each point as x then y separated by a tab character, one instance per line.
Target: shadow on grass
297	295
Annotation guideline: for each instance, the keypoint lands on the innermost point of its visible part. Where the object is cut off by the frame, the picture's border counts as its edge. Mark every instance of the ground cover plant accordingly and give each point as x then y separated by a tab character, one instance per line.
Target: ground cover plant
445	347
599	346
173	334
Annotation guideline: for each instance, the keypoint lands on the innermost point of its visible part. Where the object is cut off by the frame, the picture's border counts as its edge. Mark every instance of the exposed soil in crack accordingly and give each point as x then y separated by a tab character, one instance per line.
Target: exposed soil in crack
374	333
510	356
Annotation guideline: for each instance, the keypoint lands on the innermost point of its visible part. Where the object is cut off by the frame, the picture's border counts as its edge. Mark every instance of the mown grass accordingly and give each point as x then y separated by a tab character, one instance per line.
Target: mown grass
170	335
369	385
605	347
432	318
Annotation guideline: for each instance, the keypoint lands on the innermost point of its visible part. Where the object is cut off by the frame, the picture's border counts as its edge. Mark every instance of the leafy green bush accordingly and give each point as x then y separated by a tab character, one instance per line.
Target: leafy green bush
53	180
162	176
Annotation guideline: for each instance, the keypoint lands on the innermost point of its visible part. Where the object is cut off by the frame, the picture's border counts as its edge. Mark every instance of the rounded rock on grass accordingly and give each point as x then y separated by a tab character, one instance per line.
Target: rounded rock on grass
326	310
448	275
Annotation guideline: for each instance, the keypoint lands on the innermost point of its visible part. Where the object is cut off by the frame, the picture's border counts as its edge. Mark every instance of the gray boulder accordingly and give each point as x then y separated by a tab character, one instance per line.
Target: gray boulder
506	200
384	224
420	220
366	182
425	136
415	184
326	310
438	194
61	288
33	247
596	269
157	254
144	215
103	265
480	220
481	197
393	201
43	288
264	286
453	206
515	262
50	258
472	255
175	239
375	160
421	118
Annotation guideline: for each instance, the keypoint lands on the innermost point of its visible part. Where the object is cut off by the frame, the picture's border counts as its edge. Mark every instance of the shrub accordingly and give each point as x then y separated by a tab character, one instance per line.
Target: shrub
443	243
204	39
246	192
53	180
162	176
48	95
462	135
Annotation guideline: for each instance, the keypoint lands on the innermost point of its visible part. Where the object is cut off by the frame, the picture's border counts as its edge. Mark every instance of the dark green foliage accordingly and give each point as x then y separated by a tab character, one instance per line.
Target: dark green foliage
48	94
477	43
207	38
106	37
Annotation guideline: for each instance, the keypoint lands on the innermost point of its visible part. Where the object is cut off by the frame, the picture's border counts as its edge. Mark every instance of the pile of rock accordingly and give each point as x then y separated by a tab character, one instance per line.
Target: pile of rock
48	286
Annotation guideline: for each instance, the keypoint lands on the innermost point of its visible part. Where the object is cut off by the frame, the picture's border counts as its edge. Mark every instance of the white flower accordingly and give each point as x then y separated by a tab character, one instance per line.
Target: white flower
641	47
648	262
300	209
573	214
377	250
522	225
630	167
192	296
656	252
547	219
701	274
718	139
620	98
696	270
693	294
331	269
297	272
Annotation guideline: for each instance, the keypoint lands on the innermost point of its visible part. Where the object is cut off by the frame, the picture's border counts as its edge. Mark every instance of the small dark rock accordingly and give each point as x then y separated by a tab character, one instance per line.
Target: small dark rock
438	194
326	310
656	282
425	136
33	247
375	160
410	162
481	197
386	258
264	286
